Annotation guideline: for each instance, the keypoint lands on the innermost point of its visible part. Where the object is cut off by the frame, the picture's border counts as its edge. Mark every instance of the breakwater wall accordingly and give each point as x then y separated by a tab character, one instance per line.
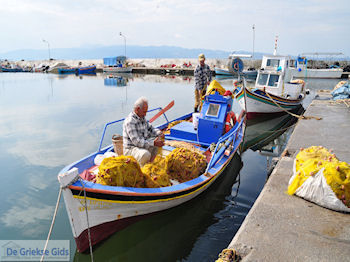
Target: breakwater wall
183	66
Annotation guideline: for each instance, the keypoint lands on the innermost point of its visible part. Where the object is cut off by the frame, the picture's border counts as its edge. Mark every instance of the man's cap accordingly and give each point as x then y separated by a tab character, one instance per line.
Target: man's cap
201	57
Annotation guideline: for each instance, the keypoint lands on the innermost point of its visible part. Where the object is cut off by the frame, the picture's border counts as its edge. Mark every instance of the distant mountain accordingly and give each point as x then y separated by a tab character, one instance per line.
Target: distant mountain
106	51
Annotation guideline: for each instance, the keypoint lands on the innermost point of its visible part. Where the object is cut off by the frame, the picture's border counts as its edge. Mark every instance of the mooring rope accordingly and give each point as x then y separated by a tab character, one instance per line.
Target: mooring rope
52	223
292	114
87	220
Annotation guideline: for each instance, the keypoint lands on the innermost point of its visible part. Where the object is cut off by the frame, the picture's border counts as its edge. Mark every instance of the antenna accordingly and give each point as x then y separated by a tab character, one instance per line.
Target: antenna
275	51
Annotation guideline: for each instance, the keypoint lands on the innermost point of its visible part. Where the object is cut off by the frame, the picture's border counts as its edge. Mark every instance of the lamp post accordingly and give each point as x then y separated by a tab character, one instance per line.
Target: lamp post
253	38
48	46
120	33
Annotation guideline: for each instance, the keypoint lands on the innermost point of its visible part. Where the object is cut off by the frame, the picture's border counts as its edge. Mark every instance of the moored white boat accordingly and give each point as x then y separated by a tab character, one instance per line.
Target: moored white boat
301	70
102	210
117	64
274	89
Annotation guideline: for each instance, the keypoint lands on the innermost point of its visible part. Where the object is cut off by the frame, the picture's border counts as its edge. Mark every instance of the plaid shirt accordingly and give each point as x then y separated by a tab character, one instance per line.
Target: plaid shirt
138	132
202	75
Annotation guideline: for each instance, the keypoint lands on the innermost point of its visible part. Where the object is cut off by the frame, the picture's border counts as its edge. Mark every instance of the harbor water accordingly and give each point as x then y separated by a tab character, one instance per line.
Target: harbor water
48	121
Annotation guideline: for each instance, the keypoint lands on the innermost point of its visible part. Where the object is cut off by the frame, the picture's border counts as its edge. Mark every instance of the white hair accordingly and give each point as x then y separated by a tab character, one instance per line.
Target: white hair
140	102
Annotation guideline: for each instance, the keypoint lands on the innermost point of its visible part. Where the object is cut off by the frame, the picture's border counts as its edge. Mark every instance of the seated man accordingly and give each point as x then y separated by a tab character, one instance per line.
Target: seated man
140	139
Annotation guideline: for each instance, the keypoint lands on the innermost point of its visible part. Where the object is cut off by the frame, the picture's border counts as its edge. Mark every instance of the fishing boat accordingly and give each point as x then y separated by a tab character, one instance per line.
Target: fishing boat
11	69
274	91
248	74
116	64
97	211
302	70
86	69
67	70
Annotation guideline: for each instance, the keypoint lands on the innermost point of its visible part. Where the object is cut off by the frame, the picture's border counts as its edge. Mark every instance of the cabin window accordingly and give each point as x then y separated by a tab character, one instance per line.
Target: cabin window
213	110
273	62
273	80
262	79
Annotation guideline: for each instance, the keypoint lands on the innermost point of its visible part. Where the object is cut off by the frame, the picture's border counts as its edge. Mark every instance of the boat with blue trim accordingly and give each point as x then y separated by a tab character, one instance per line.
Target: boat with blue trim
275	89
86	69
96	211
66	70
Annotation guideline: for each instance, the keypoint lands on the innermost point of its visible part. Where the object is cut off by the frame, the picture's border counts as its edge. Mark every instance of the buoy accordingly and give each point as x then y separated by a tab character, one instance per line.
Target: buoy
230	121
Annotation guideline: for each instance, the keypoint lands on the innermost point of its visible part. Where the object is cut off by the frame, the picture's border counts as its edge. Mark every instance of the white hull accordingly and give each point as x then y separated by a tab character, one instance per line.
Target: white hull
117	69
103	211
317	73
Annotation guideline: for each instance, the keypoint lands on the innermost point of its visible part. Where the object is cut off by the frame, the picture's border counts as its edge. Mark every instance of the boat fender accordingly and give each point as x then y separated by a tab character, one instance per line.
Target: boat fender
230	121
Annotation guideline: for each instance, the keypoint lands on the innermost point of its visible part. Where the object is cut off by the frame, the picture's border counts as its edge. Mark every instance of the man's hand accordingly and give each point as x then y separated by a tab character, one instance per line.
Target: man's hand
159	142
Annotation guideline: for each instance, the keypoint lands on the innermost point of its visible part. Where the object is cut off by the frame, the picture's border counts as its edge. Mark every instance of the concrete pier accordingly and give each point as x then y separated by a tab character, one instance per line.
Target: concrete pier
280	227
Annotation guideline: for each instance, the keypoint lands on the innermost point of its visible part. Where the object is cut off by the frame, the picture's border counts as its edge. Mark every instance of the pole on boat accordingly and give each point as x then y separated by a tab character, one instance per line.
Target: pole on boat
120	33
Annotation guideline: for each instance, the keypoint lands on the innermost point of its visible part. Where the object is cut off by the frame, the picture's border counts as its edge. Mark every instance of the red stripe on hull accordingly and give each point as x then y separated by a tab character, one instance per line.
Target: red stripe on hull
101	232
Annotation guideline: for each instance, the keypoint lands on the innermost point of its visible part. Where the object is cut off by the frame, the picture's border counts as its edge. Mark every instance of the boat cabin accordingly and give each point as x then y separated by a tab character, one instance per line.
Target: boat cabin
301	63
275	76
211	122
117	61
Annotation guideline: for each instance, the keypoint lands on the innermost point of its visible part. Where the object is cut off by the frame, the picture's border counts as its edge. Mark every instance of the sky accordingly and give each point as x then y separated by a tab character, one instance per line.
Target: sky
301	25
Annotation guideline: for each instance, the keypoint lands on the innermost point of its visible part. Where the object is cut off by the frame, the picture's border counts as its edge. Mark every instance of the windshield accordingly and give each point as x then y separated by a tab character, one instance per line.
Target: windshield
273	80
273	62
262	79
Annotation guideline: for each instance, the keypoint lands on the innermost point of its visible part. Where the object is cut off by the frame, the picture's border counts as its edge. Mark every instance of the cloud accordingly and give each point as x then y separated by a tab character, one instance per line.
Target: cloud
220	24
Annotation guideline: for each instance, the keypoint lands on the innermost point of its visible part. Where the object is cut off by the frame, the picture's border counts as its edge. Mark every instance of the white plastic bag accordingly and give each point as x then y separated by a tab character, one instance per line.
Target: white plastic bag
316	189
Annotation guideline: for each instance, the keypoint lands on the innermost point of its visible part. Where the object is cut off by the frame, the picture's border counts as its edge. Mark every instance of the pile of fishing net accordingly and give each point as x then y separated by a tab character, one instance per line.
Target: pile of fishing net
122	171
320	177
182	144
156	172
215	86
183	164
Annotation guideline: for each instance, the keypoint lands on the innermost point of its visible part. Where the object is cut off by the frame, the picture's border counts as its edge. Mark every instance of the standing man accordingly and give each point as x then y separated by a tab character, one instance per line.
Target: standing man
202	76
140	139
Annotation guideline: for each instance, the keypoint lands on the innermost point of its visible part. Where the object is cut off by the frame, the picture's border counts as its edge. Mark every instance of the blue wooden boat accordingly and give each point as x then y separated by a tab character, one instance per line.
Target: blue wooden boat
98	210
11	70
67	70
86	69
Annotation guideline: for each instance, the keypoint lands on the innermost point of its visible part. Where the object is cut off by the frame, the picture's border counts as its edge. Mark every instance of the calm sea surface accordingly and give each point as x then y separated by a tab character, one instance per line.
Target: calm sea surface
48	121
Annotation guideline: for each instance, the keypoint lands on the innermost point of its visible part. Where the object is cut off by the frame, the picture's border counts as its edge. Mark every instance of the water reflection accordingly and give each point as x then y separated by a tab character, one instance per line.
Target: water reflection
120	79
48	121
269	134
153	238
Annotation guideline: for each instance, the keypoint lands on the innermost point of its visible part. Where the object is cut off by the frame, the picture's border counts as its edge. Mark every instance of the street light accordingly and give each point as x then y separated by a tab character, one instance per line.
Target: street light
120	33
48	46
253	38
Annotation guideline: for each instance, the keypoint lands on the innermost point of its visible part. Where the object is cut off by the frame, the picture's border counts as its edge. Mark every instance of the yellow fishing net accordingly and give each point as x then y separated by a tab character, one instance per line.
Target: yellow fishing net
120	171
215	85
311	160
181	164
156	172
183	144
184	164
